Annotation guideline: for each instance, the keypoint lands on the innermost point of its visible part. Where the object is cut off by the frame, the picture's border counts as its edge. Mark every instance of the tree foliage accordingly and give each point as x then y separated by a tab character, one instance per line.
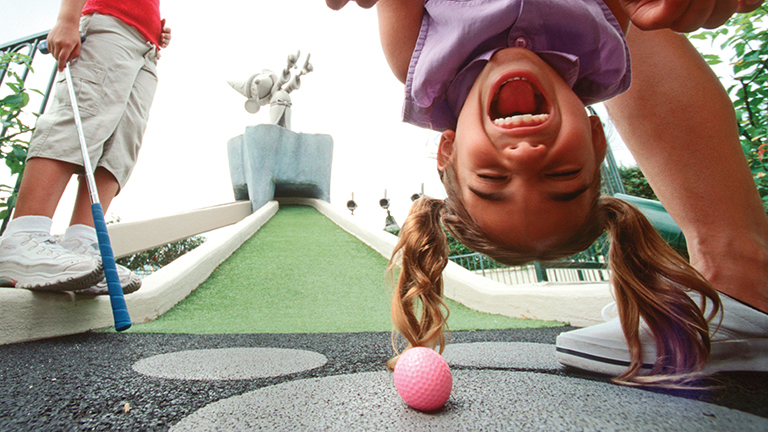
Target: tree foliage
744	40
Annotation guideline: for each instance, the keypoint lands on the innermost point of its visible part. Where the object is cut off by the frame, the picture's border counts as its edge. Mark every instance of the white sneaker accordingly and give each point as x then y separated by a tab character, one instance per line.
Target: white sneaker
129	281
739	343
35	261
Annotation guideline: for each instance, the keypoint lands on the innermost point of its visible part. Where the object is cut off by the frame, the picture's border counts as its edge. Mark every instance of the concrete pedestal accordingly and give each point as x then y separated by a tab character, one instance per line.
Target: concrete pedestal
269	162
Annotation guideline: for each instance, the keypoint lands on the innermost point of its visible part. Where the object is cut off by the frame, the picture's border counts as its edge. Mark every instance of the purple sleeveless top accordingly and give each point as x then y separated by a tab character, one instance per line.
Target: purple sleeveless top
580	39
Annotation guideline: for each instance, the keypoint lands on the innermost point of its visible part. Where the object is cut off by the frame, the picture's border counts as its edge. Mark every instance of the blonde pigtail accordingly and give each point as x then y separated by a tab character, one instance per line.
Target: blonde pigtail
651	281
422	254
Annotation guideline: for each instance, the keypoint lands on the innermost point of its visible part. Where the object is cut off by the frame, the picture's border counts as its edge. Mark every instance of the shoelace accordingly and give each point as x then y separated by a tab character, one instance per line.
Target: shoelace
82	247
41	239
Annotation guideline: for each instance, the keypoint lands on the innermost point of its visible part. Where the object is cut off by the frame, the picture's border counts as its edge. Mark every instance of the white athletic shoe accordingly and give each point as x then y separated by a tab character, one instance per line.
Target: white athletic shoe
35	261
739	343
129	281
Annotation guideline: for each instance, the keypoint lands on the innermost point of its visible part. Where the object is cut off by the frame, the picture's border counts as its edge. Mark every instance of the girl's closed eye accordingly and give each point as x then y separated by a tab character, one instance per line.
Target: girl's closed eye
563	175
493	177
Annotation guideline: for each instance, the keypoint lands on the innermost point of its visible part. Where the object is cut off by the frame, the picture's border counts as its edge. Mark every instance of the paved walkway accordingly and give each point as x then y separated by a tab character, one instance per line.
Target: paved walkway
503	380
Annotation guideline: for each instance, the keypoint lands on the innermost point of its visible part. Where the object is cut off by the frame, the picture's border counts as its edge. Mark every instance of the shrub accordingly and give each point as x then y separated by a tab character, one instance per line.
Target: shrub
161	256
635	183
14	139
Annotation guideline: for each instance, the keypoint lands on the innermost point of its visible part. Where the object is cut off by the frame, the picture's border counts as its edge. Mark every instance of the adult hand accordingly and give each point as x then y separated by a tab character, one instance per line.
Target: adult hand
338	4
64	42
684	15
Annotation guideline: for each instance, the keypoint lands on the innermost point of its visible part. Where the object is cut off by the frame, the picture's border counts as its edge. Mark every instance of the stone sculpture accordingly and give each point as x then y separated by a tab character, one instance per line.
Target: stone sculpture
268	88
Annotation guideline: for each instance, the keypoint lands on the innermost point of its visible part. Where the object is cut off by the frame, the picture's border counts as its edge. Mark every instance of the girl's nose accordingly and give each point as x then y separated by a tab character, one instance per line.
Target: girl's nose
525	154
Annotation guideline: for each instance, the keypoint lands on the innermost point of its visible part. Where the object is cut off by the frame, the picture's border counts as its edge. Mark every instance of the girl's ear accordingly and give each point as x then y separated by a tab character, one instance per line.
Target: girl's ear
598	138
445	149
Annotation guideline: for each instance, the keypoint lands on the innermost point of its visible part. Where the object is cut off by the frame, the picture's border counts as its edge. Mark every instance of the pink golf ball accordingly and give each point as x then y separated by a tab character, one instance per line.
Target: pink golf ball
423	379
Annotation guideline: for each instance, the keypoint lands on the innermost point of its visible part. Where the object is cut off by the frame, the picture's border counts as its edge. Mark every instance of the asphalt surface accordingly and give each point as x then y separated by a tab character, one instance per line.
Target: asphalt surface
503	380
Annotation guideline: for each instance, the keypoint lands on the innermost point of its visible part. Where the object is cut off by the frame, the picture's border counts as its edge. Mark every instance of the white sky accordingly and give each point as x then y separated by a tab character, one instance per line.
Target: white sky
351	95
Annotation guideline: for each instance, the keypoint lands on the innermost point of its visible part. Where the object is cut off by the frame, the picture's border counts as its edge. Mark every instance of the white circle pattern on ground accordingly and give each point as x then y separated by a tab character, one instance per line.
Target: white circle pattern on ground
481	400
519	355
229	363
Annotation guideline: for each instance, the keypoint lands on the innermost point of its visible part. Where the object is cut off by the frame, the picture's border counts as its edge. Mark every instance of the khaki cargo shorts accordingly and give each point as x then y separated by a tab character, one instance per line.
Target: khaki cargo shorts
114	79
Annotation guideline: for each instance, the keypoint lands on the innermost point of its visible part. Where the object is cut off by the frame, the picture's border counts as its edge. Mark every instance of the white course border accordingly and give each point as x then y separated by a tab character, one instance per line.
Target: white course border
29	315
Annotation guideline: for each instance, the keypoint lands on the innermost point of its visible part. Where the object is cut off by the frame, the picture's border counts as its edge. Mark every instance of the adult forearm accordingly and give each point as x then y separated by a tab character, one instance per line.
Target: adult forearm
680	126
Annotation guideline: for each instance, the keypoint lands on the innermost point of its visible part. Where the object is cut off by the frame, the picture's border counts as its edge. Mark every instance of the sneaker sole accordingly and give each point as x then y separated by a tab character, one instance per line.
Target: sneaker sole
577	358
739	343
43	283
749	355
133	286
746	355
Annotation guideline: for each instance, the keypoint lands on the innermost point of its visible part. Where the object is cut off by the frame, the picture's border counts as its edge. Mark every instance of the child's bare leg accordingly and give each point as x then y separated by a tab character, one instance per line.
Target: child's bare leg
107	186
42	186
680	126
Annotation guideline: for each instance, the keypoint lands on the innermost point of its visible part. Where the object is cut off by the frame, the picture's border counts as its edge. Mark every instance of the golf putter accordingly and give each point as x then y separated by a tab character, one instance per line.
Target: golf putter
117	300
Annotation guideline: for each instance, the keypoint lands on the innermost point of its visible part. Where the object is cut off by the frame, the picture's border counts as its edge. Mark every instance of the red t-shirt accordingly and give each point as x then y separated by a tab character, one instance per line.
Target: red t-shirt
144	15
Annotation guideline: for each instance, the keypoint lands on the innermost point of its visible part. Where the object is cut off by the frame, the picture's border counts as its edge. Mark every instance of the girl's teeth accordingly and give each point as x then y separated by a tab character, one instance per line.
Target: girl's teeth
522	120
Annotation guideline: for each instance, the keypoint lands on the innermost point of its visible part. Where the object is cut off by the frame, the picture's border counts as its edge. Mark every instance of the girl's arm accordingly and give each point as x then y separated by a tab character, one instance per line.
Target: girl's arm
399	25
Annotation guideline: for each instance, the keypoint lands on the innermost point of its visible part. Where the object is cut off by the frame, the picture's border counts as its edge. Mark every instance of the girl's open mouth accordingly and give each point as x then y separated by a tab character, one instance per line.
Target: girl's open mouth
519	103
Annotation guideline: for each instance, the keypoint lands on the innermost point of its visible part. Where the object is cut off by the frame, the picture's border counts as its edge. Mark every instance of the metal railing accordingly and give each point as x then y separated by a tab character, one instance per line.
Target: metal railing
609	170
612	182
484	266
562	271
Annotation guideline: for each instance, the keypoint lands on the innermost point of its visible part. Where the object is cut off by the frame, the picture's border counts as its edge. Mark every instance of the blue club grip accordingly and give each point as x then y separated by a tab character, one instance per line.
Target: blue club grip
119	309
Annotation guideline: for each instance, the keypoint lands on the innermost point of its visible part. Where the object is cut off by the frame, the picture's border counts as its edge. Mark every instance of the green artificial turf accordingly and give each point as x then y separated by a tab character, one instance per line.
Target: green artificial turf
301	273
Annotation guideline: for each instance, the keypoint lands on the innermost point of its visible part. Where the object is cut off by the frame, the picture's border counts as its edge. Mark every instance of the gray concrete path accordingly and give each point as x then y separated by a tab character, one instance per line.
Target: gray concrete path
503	380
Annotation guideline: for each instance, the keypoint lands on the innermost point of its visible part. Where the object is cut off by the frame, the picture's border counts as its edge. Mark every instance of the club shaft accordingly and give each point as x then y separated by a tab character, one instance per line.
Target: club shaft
89	179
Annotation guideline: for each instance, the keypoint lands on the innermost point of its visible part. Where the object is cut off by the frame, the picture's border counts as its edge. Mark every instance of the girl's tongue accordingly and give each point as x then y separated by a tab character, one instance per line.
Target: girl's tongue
516	97
519	104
